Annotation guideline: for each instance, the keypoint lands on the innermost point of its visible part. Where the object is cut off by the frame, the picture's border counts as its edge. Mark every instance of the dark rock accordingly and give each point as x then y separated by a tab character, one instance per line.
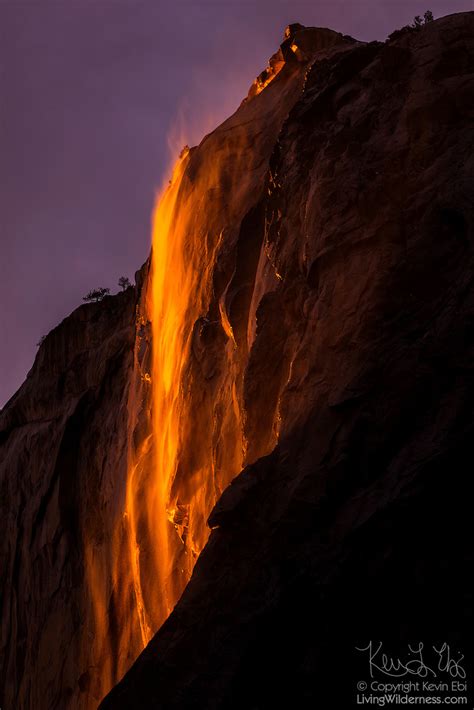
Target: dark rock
358	524
63	439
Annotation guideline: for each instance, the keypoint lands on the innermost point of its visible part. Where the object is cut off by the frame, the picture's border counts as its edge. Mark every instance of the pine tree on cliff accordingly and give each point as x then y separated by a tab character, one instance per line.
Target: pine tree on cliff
96	294
124	282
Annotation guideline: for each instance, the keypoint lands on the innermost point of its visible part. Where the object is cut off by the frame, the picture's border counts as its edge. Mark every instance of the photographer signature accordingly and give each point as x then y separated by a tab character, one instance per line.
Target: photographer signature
443	661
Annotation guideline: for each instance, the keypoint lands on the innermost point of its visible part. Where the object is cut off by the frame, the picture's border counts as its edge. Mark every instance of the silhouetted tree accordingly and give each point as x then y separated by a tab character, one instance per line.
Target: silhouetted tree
96	294
417	24
124	282
419	21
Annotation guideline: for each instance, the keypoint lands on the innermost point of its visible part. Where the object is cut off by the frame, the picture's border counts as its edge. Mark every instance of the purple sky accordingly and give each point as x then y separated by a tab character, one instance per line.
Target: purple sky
90	90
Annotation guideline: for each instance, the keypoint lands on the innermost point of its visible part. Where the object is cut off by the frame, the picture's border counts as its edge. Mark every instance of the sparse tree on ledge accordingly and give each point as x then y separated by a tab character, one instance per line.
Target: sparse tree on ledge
419	21
96	294
124	282
417	24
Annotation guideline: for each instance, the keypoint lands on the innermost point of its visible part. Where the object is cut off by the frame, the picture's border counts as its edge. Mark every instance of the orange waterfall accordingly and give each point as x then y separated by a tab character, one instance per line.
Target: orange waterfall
185	413
166	516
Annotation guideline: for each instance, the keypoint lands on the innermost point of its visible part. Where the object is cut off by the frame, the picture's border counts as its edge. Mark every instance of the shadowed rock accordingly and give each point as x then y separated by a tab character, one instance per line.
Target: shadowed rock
358	524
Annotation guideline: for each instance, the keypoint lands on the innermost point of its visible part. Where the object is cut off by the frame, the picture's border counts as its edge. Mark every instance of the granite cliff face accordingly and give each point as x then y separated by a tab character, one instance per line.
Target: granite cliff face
63	463
331	359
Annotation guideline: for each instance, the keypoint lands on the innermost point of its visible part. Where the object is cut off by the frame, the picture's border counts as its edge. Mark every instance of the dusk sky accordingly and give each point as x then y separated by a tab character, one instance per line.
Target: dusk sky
91	91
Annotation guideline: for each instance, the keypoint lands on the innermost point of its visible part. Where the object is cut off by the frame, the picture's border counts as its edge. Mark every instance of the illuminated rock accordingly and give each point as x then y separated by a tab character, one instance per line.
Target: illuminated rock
353	518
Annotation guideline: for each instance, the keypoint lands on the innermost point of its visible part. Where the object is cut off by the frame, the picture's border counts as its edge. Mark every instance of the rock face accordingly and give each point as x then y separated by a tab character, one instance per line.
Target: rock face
63	459
357	524
342	313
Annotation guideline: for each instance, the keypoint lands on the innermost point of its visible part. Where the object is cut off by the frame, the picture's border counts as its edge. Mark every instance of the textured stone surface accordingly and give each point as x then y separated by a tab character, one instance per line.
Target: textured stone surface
357	523
63	438
68	619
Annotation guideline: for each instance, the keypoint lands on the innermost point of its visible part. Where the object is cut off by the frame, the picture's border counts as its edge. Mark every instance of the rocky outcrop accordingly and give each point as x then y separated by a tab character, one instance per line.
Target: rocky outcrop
300	45
337	203
72	620
63	445
359	379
